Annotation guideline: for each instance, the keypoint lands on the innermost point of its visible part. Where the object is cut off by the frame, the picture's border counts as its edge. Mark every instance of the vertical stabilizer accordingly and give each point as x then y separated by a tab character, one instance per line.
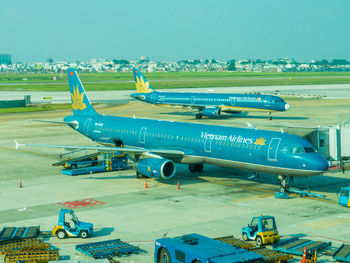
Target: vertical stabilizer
142	85
81	104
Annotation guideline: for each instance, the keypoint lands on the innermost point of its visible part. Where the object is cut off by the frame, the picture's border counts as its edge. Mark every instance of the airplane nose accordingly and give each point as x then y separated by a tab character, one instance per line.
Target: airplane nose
287	106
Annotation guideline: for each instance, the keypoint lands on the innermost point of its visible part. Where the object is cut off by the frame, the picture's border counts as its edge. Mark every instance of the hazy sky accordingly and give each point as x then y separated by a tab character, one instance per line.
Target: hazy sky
173	30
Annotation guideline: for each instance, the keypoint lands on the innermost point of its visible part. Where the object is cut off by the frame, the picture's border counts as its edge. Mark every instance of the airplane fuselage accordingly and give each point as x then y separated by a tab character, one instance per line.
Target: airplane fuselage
240	148
231	103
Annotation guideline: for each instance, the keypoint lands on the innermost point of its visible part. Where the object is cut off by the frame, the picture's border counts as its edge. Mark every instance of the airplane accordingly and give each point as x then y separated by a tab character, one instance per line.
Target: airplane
208	104
155	146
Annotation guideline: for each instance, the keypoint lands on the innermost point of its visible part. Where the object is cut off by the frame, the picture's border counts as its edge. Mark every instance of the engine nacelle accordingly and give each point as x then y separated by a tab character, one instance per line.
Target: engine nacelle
211	112
156	167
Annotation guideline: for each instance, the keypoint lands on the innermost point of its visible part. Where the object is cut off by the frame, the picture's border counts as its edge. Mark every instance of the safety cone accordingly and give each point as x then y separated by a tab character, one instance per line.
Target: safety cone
303	260
146	185
178	185
20	184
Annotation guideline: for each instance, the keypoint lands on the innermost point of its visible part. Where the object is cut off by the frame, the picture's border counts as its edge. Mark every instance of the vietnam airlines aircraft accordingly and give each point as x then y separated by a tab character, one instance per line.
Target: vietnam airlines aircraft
155	146
208	104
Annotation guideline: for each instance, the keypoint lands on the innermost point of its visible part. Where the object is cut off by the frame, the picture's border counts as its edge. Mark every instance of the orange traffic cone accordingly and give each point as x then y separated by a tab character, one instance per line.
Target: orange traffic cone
20	184
178	185
303	260
146	185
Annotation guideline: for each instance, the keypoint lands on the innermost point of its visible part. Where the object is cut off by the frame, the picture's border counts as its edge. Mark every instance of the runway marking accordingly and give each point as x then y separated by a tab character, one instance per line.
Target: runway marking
326	223
24	151
120	106
87	202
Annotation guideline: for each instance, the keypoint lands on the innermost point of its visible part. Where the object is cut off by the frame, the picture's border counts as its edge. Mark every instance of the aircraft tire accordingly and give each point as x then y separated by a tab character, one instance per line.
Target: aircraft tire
270	118
164	256
61	234
199	116
282	189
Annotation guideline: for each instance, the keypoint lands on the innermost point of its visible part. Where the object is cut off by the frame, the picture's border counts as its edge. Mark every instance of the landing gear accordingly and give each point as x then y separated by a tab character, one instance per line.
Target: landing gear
199	115
195	167
283	181
270	117
140	175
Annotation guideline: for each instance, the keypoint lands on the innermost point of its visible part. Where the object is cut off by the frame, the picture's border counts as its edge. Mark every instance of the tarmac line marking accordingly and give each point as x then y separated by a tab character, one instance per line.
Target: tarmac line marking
338	240
24	151
249	198
116	107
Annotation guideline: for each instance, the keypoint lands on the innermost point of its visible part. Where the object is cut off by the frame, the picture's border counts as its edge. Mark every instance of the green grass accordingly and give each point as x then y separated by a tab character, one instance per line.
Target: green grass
169	80
46	107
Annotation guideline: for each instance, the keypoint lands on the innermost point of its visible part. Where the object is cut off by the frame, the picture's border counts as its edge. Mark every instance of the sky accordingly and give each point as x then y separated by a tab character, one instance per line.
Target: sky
70	30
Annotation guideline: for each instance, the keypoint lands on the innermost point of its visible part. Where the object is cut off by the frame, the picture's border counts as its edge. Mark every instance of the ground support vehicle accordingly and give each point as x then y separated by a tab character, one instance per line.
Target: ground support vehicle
93	163
69	225
262	229
344	196
195	248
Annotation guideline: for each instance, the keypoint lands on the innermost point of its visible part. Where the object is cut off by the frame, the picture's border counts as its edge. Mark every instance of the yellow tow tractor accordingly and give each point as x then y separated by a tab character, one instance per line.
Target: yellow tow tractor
262	229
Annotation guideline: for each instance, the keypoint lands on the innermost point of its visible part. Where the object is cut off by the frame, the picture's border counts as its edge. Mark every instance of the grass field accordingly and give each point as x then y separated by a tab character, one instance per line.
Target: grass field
168	80
45	107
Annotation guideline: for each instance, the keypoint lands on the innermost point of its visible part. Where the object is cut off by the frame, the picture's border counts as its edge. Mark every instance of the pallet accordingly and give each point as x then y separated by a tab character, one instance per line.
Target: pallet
342	253
19	232
236	242
268	254
32	256
22	244
106	249
295	246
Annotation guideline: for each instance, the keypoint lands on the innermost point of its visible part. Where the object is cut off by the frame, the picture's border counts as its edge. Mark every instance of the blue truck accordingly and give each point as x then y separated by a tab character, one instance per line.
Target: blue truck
195	248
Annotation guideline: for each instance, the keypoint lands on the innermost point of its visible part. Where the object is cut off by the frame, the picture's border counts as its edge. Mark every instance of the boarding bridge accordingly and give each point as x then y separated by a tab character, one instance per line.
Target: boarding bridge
333	142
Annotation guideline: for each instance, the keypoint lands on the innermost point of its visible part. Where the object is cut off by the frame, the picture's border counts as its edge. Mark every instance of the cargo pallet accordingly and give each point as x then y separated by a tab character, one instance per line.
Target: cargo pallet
106	249
32	256
22	244
295	246
342	253
268	254
19	232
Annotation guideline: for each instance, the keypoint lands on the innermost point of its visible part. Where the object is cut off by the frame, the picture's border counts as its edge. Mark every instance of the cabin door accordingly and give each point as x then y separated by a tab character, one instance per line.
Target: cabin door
232	101
88	126
193	99
207	145
273	147
142	137
153	97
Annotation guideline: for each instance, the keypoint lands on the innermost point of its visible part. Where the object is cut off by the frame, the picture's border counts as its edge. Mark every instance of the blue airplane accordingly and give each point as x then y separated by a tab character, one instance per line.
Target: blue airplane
208	104
155	146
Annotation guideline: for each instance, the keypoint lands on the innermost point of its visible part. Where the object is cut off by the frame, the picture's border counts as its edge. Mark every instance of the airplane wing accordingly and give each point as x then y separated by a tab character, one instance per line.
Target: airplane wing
134	151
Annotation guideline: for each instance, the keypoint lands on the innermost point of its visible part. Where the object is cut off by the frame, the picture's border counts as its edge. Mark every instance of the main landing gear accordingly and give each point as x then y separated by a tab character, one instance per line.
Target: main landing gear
270	117
195	167
199	115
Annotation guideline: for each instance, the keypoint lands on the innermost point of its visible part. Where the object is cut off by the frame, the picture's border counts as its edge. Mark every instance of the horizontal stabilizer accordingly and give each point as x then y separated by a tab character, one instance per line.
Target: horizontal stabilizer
72	123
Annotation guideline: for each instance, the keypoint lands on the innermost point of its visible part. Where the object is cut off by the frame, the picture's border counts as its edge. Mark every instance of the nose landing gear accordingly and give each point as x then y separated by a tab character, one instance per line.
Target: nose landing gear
284	185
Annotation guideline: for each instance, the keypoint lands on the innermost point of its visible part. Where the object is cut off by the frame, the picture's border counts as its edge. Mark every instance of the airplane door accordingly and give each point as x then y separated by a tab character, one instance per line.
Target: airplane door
153	97
273	147
87	126
207	145
267	101
193	99
232	101
142	137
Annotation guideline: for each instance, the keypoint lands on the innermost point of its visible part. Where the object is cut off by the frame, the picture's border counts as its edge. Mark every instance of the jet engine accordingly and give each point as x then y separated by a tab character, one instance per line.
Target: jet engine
211	112
156	167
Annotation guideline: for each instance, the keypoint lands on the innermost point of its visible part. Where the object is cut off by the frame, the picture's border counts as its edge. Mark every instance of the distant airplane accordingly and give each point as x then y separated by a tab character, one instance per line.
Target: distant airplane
208	104
155	146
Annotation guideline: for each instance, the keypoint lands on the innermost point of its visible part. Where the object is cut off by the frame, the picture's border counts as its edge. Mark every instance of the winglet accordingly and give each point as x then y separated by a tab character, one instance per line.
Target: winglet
18	144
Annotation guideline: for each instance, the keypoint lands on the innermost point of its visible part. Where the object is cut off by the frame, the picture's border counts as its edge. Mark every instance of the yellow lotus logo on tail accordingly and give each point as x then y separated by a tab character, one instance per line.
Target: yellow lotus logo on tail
78	99
260	141
142	86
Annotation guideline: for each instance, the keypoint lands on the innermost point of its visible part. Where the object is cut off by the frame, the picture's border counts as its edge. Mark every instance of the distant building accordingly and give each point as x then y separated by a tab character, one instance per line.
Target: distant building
5	59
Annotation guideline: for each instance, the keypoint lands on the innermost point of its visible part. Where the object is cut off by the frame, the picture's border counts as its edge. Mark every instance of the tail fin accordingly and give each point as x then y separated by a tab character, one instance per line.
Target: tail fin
81	104
142	85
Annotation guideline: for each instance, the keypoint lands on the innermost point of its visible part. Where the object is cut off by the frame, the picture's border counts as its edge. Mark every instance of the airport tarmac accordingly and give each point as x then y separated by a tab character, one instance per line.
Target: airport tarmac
217	202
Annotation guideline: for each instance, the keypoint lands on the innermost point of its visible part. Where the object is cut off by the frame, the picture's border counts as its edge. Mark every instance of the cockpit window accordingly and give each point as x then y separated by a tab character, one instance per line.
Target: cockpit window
297	149
309	149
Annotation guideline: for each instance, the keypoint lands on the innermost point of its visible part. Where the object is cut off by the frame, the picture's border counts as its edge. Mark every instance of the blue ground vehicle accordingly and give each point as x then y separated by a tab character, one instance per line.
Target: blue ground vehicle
344	196
195	248
262	229
69	226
